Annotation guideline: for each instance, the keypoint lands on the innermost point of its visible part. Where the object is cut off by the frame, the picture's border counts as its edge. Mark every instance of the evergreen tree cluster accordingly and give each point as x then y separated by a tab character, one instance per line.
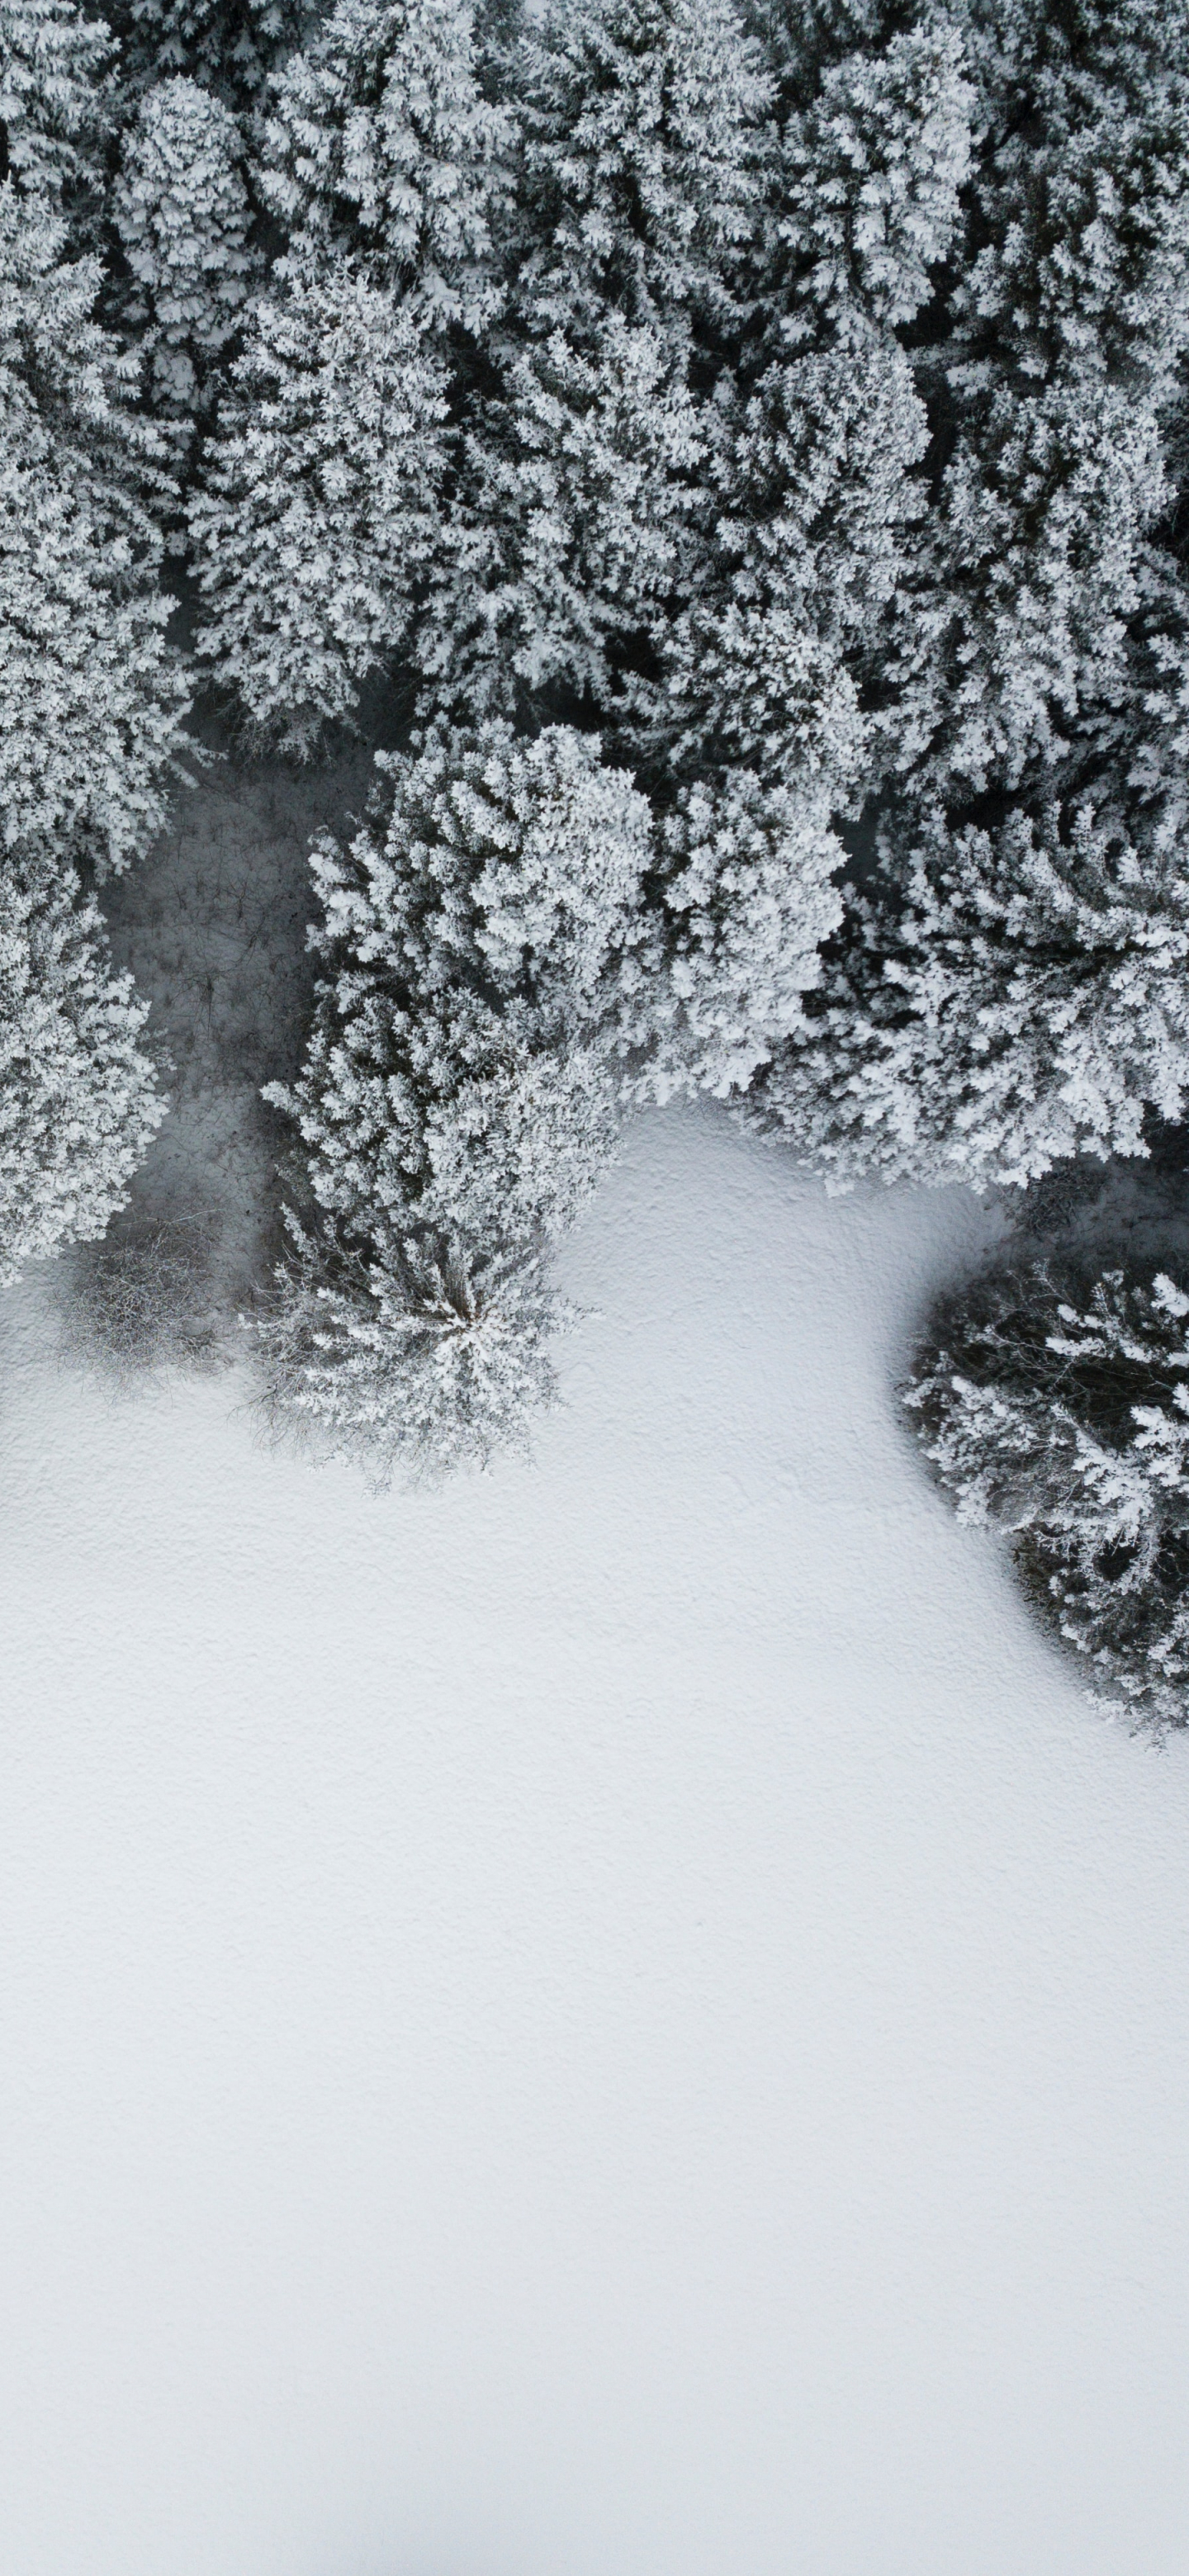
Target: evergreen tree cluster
91	704
748	441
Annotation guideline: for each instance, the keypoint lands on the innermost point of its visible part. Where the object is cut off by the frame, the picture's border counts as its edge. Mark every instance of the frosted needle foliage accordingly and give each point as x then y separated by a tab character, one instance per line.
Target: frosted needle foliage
460	1088
1056	1408
78	1097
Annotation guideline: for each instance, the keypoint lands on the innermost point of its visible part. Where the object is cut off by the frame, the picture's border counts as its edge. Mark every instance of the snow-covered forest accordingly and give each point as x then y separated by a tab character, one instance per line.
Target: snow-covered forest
713	473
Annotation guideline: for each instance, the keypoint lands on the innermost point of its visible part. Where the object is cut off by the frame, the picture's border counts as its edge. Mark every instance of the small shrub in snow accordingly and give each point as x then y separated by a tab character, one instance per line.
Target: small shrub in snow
1058	1411
460	1088
78	1098
143	1298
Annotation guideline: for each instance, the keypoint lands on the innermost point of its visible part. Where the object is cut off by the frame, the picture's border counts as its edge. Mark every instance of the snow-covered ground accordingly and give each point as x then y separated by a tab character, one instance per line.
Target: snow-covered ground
619	2019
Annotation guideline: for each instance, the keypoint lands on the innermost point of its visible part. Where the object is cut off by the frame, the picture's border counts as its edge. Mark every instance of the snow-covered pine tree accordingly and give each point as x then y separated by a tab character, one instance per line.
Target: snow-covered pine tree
645	149
411	1361
1067	331
380	149
54	104
816	443
742	895
473	932
1009	993
184	219
91	705
460	1087
568	533
758	719
231	47
810	494
1023	998
1055	1407
708	574
868	188
568	544
78	1097
318	520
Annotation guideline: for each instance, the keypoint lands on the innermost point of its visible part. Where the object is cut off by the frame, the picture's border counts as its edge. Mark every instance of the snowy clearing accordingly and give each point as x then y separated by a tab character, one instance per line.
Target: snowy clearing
622	2016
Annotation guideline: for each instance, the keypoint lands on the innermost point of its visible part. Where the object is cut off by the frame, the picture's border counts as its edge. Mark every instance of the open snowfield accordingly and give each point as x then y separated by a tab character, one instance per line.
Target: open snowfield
620	2019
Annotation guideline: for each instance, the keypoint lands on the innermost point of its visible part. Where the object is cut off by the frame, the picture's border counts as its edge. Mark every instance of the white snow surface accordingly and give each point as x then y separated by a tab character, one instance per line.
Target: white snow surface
619	2018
